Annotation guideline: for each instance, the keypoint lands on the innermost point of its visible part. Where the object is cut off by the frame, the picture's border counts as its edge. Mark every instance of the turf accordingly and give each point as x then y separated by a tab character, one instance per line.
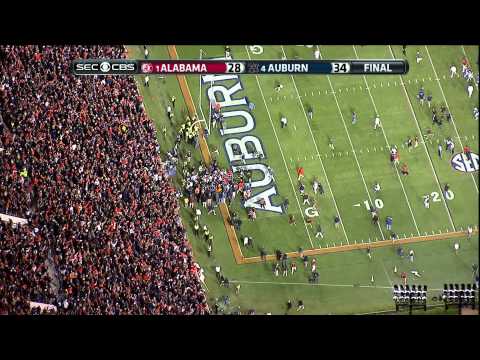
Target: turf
360	158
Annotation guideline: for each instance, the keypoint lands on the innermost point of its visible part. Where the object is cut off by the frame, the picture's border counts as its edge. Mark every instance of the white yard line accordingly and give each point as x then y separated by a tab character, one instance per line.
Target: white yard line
386	273
388	144
281	152
314	284
466	56
449	109
424	145
351	144
308	284
318	152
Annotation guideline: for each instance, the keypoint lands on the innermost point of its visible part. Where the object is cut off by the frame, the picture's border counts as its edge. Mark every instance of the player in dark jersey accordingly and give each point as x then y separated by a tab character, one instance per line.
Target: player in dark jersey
421	95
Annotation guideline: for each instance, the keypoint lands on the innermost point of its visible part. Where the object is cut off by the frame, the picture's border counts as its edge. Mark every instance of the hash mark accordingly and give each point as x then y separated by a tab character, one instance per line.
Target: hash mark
368	150
362	241
388	84
381	84
411	234
312	93
340	90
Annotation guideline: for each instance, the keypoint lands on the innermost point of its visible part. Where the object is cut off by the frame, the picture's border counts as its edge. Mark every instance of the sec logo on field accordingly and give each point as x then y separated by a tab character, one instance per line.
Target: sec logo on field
460	162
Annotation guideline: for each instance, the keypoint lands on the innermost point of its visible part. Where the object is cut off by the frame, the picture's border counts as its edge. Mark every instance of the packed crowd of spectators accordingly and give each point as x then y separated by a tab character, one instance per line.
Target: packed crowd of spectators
79	160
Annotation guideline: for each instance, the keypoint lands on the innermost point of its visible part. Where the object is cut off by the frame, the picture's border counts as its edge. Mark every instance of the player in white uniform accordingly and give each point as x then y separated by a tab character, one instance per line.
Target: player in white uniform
316	54
377	123
283	121
418	57
426	201
470	90
456	246
376	187
453	71
315	186
475	113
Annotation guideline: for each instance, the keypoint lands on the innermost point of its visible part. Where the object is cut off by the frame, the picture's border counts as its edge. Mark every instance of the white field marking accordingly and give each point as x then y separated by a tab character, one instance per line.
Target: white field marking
388	84
362	241
374	86
318	92
409	81
312	93
424	146
466	56
381	84
351	144
404	236
346	89
369	240
355	241
374	149
440	231
368	150
326	92
433	232
416	81
346	153
317	284
388	144
448	108
386	273
426	234
307	284
281	152
411	234
423	80
318	152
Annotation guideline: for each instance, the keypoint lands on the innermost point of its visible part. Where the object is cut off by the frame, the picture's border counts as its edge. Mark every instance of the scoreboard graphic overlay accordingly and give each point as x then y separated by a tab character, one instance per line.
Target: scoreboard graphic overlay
342	67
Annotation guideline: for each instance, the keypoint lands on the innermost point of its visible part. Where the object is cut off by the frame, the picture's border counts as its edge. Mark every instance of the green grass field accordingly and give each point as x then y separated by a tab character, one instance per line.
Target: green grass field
360	158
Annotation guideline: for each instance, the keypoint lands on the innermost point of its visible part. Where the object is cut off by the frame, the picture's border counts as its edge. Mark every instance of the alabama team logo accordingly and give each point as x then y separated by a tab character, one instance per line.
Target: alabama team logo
462	162
147	68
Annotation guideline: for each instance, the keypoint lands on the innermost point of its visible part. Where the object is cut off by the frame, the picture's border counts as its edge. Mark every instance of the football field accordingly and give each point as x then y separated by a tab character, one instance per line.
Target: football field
347	159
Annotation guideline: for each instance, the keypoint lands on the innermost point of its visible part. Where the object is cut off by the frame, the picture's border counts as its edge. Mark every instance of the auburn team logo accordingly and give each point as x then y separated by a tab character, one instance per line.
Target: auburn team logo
462	162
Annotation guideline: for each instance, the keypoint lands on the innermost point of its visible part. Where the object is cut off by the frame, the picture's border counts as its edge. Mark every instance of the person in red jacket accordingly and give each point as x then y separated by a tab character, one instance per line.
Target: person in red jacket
300	173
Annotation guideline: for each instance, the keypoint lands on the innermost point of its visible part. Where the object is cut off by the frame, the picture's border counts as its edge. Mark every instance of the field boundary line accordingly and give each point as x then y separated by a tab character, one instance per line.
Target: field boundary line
449	109
207	157
318	152
388	144
358	246
351	144
281	151
425	145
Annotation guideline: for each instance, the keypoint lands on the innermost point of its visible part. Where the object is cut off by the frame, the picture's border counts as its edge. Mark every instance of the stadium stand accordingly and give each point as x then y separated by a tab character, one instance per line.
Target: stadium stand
79	161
